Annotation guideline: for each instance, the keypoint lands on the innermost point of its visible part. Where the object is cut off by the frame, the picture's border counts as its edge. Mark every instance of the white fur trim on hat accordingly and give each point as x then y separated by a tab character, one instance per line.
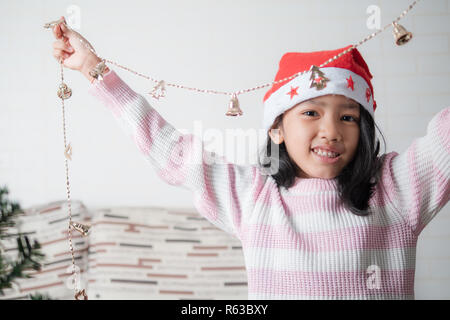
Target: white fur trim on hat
280	100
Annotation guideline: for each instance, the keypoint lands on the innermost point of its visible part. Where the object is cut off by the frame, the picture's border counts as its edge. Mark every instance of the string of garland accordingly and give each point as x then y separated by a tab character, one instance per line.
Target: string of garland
401	37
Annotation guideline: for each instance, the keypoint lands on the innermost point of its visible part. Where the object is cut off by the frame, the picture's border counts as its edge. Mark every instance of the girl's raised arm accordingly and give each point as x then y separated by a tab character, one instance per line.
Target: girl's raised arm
418	180
224	193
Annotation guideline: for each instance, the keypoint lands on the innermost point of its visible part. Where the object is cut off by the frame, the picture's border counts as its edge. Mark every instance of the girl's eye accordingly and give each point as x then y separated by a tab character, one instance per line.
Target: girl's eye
309	113
349	118
345	118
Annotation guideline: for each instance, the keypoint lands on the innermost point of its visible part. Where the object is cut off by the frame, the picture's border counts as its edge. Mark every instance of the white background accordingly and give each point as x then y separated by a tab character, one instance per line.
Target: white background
223	45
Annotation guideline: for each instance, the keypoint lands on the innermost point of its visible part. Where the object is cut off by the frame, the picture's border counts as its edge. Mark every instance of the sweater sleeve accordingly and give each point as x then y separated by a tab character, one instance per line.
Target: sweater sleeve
223	192
418	180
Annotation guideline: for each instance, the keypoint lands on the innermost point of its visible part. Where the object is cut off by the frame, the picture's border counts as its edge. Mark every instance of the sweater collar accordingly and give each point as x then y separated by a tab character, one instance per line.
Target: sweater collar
314	184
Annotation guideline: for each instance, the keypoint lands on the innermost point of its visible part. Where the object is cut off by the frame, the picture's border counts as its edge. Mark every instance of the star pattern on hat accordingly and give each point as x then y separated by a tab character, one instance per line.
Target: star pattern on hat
293	92
368	94
350	83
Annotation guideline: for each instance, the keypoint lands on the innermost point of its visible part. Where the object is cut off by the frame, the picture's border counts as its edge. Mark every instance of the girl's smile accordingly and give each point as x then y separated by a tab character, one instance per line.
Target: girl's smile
324	156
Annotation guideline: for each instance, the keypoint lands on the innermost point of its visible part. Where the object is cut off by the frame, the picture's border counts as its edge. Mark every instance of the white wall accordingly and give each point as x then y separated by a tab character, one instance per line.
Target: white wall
226	45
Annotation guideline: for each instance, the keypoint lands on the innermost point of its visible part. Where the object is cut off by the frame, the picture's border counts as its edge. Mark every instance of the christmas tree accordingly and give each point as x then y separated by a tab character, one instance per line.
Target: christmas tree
29	256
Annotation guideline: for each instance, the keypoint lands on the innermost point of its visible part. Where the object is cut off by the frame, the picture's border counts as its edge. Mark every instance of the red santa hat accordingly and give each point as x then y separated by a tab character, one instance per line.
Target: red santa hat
347	75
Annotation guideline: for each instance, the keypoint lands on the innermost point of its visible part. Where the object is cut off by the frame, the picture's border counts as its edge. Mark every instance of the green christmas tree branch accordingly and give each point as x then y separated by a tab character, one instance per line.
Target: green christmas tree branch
29	254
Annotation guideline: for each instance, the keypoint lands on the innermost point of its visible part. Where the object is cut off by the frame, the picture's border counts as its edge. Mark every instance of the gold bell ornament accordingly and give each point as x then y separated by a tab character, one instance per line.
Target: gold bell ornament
81	294
81	228
64	92
233	108
401	35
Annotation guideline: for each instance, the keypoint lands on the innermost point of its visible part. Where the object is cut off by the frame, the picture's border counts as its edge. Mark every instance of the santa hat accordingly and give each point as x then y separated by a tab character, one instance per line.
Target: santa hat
347	75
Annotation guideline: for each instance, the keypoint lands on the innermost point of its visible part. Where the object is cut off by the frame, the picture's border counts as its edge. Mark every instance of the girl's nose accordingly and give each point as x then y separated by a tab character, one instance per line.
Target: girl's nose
329	130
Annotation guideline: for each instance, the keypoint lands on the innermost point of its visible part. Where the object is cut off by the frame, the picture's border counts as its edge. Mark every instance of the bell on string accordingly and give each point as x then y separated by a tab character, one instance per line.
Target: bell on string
64	92
401	35
81	293
83	229
233	109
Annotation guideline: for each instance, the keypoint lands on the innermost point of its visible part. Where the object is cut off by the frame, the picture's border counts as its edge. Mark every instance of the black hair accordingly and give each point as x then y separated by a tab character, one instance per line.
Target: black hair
357	180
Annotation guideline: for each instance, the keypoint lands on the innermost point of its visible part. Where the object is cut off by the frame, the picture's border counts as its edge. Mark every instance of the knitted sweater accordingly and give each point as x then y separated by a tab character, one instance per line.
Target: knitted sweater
301	242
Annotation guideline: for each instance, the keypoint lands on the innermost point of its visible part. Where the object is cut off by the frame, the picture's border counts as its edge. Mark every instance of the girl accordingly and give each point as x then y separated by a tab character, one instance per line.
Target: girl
333	220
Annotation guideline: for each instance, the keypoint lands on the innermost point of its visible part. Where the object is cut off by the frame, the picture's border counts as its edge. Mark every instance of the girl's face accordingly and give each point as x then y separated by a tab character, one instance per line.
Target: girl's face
321	135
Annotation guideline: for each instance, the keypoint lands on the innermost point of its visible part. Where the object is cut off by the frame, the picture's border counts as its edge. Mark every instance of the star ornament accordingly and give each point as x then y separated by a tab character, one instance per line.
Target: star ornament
368	94
159	90
293	92
350	83
68	152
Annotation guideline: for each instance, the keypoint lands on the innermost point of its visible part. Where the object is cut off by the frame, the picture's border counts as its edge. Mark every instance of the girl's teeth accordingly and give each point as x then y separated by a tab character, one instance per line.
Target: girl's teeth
325	153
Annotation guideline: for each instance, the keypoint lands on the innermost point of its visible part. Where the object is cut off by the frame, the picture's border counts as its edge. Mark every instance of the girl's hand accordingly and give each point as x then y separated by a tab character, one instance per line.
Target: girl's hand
74	54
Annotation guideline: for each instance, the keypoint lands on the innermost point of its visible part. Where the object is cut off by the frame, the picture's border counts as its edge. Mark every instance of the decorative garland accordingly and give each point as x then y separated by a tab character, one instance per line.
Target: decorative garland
401	36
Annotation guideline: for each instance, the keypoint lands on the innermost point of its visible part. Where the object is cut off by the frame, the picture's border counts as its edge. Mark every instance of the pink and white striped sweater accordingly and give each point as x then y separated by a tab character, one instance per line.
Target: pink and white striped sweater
301	243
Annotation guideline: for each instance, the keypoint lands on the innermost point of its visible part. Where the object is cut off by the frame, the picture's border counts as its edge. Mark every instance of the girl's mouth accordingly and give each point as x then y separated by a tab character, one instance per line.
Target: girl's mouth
325	156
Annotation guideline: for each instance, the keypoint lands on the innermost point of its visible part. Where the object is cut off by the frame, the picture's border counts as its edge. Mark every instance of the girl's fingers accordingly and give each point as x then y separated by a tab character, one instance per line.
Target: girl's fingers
57	32
61	30
60	44
64	28
58	54
61	48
